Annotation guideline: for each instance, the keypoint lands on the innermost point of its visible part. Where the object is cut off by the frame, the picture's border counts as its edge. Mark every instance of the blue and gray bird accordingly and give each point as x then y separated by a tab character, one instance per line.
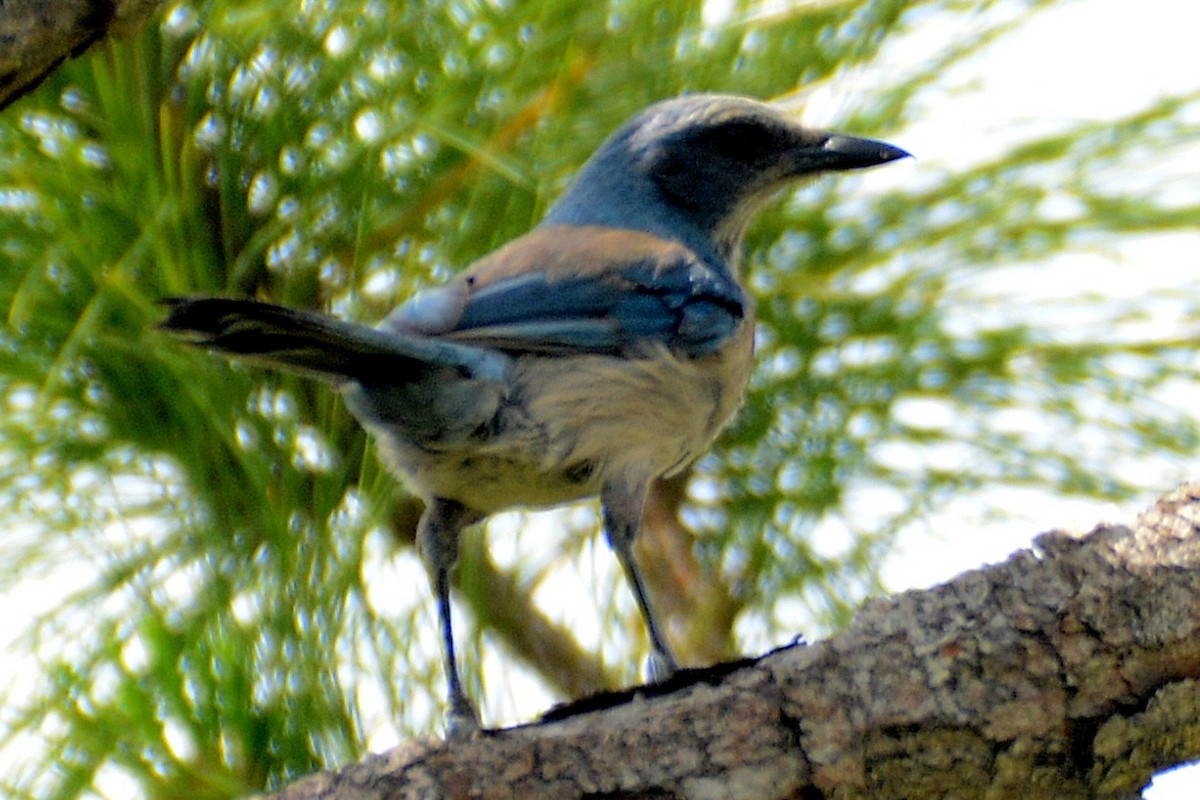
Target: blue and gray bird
604	349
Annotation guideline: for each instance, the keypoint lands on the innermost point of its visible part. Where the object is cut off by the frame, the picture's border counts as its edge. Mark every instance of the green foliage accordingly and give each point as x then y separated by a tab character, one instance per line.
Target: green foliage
228	613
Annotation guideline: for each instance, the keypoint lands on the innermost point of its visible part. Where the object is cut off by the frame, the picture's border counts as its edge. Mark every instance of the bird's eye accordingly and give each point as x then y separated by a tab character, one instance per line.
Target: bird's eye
740	141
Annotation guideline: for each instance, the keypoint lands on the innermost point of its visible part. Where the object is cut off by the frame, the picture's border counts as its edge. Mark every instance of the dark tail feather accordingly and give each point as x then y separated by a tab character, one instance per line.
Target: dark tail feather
314	344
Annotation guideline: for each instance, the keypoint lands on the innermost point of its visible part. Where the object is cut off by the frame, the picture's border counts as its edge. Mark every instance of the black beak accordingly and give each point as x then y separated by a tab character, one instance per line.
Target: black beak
850	152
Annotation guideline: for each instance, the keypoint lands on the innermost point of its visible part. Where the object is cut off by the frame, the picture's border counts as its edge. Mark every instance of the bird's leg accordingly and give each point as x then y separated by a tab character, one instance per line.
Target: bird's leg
437	541
622	506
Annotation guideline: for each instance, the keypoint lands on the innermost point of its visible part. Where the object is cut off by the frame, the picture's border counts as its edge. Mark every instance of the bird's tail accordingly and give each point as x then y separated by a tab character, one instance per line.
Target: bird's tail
314	344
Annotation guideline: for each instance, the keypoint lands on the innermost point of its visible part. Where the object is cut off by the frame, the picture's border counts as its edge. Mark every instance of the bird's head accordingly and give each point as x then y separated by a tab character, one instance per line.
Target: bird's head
702	165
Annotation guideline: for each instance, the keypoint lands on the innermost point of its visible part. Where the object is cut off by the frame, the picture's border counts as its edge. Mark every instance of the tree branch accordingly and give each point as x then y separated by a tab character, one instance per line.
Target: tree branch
38	35
1070	670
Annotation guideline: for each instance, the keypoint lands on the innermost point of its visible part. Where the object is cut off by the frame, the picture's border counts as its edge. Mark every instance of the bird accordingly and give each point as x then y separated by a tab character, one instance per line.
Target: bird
602	350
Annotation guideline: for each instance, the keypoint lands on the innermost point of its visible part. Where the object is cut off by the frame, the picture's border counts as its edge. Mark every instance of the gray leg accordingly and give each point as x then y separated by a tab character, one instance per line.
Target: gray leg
622	506
437	541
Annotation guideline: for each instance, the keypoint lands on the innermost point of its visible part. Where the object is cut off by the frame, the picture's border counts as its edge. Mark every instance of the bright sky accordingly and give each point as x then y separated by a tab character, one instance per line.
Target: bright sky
1089	59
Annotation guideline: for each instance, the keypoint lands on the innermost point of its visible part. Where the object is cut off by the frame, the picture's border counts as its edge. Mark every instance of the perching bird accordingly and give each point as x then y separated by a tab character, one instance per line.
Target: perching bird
604	349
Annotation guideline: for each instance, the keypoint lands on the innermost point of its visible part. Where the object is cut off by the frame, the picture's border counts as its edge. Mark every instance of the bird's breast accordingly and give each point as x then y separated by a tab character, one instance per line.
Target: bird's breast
563	427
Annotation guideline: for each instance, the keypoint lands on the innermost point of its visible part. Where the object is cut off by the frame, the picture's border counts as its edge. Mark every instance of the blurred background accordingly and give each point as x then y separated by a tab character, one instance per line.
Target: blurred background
210	579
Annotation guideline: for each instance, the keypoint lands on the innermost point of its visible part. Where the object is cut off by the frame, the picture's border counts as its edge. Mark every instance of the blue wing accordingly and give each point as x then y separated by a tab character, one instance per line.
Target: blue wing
681	302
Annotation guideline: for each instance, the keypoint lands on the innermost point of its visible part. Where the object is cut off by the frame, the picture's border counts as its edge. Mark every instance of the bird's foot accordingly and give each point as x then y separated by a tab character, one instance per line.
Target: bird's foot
660	667
462	719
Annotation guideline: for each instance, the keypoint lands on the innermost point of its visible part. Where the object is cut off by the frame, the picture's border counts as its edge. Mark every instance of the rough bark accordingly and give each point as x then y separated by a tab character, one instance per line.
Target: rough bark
38	35
1068	671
